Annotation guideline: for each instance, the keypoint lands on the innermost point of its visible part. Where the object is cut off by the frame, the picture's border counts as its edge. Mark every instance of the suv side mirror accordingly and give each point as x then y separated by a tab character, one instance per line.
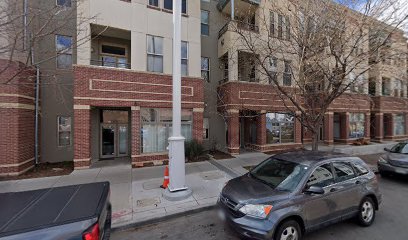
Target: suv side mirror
387	149
314	190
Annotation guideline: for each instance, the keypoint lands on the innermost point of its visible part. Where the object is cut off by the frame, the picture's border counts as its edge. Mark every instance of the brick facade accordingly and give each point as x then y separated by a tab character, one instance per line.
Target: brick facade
98	87
17	121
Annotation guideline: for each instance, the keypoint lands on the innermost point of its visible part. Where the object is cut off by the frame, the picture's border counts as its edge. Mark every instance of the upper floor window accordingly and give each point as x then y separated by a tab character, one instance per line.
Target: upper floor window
168	4
287	74
272	24
205	27
184	58
280	26
154	3
386	89
287	24
154	54
114	56
205	68
64	51
64	3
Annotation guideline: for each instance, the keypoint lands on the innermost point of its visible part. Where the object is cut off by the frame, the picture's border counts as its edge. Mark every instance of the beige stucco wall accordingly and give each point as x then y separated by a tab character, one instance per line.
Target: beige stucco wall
140	20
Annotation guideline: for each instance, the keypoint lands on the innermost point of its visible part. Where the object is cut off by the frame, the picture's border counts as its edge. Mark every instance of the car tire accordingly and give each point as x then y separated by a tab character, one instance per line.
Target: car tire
366	212
384	174
289	230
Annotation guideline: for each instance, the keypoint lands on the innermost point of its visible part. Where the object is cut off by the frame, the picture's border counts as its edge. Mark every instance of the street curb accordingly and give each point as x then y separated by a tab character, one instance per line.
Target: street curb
161	219
223	168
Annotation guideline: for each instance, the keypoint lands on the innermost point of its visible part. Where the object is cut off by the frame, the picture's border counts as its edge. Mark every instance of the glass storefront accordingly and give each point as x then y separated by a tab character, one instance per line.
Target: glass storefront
399	124
279	128
157	127
356	125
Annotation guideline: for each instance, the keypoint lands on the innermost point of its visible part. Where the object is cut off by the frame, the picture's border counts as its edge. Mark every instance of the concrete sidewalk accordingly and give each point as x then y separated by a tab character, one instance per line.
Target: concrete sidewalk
136	195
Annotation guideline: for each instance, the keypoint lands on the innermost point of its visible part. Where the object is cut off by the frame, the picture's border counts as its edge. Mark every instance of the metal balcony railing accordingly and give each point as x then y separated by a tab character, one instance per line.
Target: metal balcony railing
110	64
240	25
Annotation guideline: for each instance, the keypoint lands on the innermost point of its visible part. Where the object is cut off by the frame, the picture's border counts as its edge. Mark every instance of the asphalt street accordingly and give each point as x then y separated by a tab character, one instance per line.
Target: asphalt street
391	222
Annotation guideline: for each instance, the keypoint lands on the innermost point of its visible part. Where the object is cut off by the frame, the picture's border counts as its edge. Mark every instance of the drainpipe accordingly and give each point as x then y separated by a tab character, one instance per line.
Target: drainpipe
25	24
37	100
232	10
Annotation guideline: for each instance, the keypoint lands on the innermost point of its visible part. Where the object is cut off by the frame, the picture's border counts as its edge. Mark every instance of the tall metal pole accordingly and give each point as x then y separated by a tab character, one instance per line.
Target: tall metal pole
232	10
176	141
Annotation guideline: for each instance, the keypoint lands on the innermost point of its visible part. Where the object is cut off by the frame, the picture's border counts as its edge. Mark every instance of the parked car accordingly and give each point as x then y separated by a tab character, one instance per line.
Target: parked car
291	194
78	212
395	160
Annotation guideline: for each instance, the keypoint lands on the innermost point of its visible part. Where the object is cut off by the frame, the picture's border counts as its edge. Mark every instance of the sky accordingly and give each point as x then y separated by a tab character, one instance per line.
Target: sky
398	7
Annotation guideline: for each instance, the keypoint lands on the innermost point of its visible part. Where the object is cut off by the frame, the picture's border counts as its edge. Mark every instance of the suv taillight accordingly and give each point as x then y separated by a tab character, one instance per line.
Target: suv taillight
92	233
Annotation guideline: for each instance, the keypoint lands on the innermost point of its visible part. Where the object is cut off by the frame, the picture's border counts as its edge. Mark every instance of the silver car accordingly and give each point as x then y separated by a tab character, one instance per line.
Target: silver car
290	194
395	160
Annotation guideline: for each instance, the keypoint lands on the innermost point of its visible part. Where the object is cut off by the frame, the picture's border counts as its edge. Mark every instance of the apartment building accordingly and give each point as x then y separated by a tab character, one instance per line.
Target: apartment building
106	86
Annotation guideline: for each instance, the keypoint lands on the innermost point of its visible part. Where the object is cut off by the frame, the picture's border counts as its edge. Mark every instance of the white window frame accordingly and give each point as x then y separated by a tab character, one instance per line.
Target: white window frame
67	51
153	53
58	131
158	4
206	70
186	59
207	23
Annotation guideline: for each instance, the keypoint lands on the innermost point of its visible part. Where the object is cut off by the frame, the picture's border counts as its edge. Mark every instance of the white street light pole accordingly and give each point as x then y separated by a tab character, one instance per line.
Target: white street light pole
177	189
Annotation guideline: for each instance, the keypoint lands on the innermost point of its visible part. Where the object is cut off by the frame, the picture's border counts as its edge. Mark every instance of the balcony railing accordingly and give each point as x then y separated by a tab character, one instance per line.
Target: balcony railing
222	3
240	25
110	64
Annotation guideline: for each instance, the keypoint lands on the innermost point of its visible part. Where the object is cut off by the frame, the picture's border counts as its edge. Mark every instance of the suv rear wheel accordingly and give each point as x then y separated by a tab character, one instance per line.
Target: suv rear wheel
366	214
289	230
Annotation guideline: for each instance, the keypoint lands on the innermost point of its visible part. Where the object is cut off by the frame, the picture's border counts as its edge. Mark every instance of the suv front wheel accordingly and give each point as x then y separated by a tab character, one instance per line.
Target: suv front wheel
366	214
289	230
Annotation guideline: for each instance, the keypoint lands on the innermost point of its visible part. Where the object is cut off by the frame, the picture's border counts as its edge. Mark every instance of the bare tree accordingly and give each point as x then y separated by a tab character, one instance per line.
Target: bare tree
24	24
327	49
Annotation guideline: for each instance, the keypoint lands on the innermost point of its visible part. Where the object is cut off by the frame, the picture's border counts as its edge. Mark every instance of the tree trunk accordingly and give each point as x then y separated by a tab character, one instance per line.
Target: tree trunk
315	141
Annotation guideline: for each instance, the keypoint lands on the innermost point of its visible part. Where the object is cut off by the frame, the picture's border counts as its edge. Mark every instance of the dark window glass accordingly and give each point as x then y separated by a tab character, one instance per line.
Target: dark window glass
360	168
344	171
279	174
64	3
154	3
322	176
168	4
113	50
400	148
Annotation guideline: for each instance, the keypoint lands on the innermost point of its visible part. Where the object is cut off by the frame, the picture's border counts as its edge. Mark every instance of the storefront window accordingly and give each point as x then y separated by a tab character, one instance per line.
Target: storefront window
399	125
157	128
356	126
279	128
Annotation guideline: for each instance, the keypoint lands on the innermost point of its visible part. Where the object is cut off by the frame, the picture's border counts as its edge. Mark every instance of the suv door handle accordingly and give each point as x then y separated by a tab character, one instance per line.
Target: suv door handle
333	189
358	182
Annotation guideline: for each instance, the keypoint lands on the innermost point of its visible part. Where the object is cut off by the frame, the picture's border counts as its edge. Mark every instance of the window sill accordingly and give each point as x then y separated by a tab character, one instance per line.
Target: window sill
153	7
171	11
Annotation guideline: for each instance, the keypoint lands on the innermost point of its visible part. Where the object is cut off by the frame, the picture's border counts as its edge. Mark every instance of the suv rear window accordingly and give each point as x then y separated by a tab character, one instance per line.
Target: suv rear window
360	168
344	171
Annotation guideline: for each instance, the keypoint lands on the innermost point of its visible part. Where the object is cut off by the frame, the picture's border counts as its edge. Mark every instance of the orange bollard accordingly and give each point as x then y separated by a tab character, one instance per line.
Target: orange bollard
166	180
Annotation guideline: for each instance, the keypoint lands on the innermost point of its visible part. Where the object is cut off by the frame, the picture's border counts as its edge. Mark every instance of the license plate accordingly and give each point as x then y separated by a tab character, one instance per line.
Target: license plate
221	215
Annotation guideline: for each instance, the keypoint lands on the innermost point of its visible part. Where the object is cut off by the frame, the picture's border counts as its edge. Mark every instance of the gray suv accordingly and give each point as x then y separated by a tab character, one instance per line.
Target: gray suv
290	194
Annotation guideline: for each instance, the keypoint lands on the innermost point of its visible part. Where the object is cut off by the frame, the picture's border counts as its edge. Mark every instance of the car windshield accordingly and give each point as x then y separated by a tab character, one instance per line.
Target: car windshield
279	174
400	148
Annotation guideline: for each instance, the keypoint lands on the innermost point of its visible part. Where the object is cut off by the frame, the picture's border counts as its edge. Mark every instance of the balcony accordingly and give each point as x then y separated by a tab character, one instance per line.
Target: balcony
239	5
110	47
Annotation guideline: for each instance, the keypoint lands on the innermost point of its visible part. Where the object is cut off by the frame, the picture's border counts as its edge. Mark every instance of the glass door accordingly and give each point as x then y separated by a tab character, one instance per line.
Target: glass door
107	140
122	139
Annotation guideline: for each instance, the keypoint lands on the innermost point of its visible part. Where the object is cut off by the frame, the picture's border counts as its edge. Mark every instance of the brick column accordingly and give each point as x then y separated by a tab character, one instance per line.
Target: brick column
298	129
135	127
406	123
261	128
198	124
389	121
233	131
82	136
367	126
328	128
344	126
379	126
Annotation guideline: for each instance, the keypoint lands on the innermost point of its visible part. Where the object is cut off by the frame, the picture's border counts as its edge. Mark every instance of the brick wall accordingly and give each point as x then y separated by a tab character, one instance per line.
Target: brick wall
17	119
109	87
